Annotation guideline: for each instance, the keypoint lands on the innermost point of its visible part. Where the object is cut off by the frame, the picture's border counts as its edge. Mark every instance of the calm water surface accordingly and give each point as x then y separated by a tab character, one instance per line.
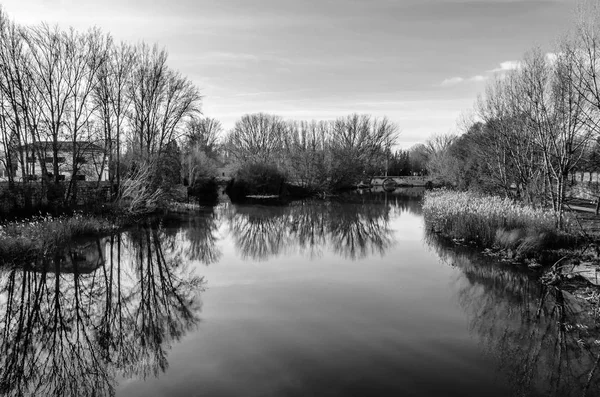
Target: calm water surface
345	298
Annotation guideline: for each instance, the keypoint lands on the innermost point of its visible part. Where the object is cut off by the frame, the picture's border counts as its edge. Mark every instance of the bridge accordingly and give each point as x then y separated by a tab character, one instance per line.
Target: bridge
402	181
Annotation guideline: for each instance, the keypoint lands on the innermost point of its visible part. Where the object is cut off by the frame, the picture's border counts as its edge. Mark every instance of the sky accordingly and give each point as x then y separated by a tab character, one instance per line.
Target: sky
421	63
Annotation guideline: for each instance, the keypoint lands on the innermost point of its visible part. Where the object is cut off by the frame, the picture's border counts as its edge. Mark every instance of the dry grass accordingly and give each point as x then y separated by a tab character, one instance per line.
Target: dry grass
43	234
492	221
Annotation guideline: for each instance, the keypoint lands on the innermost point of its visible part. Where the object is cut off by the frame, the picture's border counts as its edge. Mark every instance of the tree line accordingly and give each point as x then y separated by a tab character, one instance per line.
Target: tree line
316	154
64	87
534	126
63	90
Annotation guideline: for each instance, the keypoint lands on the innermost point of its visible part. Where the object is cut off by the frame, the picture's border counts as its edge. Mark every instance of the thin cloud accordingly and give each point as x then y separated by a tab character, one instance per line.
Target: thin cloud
460	80
506	66
452	81
500	72
478	78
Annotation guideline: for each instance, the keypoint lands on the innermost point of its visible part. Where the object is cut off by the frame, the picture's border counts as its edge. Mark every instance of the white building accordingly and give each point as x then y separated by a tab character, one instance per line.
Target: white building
90	158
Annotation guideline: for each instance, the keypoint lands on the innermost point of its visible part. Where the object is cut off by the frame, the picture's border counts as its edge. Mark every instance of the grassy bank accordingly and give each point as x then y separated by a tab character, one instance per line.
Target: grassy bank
43	234
491	221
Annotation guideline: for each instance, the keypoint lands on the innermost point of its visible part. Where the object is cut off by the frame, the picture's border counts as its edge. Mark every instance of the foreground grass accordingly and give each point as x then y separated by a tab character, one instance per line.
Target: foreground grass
494	222
43	234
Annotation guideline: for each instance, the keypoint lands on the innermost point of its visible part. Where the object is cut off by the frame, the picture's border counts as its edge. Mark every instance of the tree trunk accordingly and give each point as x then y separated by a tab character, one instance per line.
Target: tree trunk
55	157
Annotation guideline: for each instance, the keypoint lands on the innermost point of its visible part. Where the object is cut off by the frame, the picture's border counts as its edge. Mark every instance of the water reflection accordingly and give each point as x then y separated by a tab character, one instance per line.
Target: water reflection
111	308
402	199
202	234
72	323
544	340
353	230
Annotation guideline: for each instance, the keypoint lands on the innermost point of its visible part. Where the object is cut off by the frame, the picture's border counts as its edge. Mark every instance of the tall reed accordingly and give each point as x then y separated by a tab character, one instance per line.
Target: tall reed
491	221
42	234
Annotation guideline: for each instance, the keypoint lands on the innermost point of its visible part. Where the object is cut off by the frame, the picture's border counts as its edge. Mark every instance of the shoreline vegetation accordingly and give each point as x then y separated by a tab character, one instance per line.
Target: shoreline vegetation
529	148
520	230
520	234
513	157
39	236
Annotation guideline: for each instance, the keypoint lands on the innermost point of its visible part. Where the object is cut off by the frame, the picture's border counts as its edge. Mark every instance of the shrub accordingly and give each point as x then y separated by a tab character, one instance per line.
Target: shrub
43	234
142	192
204	190
256	179
492	221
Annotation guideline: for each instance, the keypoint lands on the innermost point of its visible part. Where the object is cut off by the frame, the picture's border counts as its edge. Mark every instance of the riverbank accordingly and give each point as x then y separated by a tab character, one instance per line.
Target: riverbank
162	260
494	222
511	232
41	235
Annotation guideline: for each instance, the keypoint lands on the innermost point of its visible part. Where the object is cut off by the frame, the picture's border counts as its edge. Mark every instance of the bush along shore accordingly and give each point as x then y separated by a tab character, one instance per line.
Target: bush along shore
516	233
38	236
262	183
502	226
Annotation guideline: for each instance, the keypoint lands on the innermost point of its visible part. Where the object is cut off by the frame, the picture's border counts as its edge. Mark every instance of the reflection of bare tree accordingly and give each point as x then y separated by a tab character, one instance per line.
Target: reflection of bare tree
357	230
403	199
68	329
354	229
201	233
45	343
541	337
259	232
308	227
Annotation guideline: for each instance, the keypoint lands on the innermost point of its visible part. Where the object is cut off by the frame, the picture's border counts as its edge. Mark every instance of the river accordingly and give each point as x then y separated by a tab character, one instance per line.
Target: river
343	298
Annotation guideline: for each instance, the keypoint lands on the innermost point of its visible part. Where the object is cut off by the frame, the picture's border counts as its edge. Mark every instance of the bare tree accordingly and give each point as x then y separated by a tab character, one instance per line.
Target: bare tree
439	143
557	117
257	137
70	91
202	137
113	101
50	70
509	149
88	53
16	99
203	132
360	144
162	101
582	46
573	124
317	154
307	159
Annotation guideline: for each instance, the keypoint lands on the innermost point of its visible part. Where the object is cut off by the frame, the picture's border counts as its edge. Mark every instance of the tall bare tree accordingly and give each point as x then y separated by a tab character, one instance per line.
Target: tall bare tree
203	132
50	71
360	144
307	159
88	53
113	101
15	97
257	137
162	100
509	148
